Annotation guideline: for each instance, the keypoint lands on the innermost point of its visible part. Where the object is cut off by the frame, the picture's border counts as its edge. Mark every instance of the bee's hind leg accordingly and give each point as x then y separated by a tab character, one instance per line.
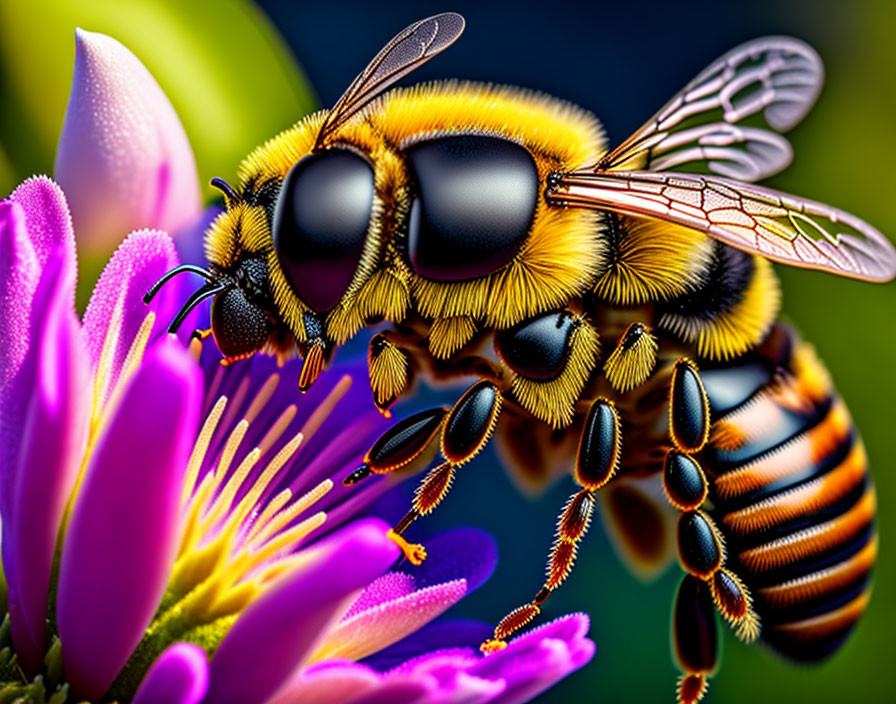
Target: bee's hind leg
695	638
465	430
596	463
701	549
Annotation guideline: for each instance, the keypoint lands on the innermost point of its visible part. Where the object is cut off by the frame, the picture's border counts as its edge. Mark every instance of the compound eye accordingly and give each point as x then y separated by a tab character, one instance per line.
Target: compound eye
320	224
240	327
476	199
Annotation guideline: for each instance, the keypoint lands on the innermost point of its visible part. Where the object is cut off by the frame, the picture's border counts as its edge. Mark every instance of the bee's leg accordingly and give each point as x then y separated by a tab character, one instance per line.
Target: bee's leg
596	463
400	445
197	338
695	638
201	335
389	371
701	549
465	430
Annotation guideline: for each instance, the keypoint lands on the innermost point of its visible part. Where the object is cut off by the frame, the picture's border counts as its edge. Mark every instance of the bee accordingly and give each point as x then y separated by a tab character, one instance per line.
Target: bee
617	307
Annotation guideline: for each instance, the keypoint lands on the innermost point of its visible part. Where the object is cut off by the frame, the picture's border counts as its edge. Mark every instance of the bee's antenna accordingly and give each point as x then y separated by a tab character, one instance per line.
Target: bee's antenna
194	300
207	275
231	195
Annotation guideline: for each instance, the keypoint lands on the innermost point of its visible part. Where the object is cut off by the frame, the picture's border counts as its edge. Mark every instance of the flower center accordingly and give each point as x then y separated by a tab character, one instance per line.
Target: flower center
237	534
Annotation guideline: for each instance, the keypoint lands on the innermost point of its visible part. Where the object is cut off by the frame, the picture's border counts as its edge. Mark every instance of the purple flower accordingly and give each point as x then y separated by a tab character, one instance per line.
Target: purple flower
186	522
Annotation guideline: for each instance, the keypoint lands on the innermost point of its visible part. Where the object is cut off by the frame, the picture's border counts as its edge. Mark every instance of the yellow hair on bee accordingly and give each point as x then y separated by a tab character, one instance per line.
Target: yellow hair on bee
557	262
242	229
812	379
561	133
564	250
388	371
448	335
737	329
651	260
554	401
633	360
735	603
381	286
384	295
726	436
273	160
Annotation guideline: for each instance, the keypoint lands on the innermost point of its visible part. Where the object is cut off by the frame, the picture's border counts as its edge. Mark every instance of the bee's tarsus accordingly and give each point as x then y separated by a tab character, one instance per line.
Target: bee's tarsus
358	475
312	365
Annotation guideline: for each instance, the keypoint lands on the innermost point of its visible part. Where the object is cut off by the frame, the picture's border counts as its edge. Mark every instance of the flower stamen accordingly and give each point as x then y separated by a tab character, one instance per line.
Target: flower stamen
201	447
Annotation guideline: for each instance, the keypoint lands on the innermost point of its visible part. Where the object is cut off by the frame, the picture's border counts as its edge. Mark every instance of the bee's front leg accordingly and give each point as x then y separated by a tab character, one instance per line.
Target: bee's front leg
465	430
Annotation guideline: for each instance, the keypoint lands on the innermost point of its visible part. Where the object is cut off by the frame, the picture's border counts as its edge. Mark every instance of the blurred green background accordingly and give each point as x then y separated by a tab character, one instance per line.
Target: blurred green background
621	60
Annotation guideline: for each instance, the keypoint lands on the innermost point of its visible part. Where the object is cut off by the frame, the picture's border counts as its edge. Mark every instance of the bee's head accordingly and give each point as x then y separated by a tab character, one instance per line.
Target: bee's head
243	313
240	318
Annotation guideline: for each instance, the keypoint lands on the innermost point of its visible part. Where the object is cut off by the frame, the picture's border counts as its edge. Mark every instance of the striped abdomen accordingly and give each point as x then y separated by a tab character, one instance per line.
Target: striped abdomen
792	495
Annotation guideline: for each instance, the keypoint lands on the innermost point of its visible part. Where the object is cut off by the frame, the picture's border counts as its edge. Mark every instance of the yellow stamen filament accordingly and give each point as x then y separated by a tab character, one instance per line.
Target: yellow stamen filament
326	406
278	428
230	549
262	397
201	447
288	539
103	398
195	348
233	443
135	352
251	498
107	355
236	401
274	505
285	517
288	563
227	494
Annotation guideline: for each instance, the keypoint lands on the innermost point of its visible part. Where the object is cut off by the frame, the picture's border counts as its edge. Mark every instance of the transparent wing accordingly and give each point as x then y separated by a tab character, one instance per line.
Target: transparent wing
777	77
410	48
776	225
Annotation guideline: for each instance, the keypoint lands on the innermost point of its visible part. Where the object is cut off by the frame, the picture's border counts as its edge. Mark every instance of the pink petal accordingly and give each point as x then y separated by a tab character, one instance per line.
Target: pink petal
48	218
179	676
134	267
122	538
539	658
335	683
19	274
53	439
273	637
384	624
392	585
123	159
34	222
455	684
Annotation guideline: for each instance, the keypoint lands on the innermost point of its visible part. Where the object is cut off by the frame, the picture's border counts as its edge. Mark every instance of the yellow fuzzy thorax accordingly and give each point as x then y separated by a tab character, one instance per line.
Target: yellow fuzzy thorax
559	260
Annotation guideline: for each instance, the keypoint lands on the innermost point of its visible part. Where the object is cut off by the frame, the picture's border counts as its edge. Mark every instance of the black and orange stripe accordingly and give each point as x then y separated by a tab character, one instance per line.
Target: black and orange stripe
792	495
